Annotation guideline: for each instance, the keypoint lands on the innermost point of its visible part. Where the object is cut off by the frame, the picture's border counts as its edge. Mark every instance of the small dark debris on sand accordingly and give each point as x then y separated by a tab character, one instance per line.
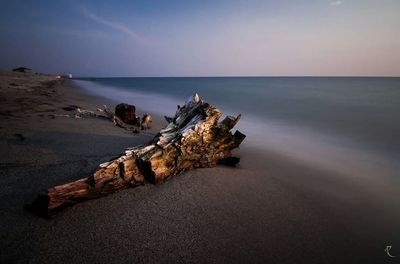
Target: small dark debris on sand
20	137
70	108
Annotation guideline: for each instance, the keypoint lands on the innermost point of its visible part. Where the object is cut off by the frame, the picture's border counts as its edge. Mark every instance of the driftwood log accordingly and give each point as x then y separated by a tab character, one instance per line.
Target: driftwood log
128	120
193	139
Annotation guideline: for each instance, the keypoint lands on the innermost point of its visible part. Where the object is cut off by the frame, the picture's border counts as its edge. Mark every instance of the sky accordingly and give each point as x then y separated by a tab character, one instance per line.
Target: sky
202	38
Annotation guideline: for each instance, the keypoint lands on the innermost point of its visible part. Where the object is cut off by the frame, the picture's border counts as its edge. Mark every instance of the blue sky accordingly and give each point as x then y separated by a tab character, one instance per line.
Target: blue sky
202	38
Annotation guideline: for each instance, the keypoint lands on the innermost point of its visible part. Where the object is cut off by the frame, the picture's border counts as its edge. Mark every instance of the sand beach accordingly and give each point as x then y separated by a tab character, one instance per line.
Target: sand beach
269	209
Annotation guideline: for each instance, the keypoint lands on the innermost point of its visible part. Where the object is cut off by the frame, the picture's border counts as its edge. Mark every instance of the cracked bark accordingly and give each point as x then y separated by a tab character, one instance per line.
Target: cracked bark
193	139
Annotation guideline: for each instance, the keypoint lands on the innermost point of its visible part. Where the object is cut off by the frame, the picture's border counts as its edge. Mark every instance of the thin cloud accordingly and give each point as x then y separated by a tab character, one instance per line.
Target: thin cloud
336	3
112	24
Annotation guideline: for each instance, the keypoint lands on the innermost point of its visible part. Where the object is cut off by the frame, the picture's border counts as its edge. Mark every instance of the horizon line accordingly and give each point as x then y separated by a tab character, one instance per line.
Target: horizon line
250	76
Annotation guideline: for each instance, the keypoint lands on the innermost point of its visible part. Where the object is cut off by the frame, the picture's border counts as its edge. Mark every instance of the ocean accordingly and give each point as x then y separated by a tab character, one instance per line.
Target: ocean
347	124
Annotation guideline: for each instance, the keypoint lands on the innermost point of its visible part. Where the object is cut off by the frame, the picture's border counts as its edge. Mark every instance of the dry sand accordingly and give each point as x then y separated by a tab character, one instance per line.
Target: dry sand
268	210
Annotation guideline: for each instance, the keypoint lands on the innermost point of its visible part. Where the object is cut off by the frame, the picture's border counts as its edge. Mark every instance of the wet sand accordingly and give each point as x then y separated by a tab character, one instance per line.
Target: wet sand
268	210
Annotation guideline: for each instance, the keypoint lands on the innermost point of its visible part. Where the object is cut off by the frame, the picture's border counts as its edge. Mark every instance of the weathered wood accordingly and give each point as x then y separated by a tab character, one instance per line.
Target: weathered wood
105	113
126	113
193	139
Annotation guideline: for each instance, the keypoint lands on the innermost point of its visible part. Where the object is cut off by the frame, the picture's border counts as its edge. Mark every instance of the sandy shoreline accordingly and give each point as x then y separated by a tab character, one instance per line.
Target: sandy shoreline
282	212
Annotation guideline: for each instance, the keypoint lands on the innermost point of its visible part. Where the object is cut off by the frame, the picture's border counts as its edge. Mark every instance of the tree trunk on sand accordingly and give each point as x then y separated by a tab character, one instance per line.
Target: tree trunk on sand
193	139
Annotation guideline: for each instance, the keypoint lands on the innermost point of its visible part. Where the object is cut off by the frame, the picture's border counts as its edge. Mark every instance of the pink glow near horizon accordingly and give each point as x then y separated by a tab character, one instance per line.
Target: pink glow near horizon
224	38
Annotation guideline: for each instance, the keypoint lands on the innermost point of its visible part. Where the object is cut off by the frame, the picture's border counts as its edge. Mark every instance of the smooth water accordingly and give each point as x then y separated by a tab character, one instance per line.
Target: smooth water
347	122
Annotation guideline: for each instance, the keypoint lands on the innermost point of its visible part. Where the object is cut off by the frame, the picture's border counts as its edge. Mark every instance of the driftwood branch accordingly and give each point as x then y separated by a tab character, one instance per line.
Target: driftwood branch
193	139
105	113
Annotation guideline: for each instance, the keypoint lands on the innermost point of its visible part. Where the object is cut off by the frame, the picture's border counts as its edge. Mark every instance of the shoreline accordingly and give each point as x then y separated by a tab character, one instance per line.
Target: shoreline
357	153
269	209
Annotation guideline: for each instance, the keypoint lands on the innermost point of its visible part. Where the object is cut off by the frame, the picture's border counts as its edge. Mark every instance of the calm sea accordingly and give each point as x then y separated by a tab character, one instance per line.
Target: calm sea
347	122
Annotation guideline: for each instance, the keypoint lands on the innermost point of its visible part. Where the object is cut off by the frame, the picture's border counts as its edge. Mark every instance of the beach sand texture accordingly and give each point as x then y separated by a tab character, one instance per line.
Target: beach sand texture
267	210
